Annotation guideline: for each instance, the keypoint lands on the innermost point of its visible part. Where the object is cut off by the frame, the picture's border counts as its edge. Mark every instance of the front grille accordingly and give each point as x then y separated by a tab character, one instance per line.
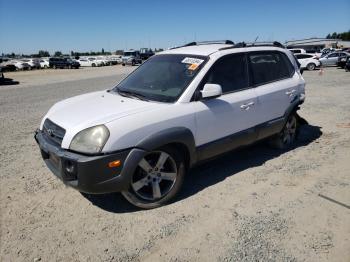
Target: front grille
53	132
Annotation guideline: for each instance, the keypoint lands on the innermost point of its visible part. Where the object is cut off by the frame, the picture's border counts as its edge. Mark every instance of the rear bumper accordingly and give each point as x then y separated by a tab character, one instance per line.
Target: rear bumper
90	174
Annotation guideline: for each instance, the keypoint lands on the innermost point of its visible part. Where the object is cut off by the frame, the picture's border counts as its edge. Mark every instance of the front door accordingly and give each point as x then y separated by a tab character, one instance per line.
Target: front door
228	121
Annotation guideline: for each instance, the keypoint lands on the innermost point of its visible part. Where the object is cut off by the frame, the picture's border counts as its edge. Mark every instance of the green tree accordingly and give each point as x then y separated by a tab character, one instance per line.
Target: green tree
43	53
58	53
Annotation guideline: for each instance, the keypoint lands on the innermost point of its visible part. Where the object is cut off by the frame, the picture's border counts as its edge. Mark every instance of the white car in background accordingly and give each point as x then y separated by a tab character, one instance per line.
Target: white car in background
18	64
33	63
89	61
115	59
308	61
44	63
104	60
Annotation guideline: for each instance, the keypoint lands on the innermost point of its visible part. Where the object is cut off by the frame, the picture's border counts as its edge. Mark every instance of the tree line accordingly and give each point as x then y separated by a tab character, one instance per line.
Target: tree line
345	36
44	53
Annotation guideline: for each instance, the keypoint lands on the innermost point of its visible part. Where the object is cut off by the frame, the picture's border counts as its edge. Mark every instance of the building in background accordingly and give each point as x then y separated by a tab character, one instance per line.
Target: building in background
312	45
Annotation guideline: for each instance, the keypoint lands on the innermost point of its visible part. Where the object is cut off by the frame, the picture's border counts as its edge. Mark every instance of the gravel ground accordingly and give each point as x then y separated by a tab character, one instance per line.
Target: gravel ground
255	204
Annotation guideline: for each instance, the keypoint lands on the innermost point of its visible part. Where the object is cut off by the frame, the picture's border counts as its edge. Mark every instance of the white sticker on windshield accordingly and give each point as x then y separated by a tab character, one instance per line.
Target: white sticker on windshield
190	60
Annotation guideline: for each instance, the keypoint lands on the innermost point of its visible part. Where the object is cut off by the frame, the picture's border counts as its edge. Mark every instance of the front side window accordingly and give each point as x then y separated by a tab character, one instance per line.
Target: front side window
162	78
269	66
230	72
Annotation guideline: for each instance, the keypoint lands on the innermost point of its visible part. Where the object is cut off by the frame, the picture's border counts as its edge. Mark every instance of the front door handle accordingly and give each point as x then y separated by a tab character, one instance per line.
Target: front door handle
247	106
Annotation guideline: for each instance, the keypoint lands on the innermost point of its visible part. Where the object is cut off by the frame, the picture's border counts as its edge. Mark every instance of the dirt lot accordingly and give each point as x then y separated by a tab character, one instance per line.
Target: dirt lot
256	204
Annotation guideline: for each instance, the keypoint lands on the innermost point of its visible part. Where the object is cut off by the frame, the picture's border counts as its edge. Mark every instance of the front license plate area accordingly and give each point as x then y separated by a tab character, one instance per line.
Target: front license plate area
54	160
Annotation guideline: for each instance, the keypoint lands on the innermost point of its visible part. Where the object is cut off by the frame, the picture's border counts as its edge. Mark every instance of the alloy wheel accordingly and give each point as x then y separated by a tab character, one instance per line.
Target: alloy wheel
155	176
289	131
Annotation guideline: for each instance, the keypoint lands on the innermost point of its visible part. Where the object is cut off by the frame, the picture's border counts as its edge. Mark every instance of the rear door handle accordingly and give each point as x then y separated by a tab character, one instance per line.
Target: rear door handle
247	106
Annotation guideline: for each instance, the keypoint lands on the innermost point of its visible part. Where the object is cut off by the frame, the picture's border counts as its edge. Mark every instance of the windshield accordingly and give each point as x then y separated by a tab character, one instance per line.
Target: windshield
162	78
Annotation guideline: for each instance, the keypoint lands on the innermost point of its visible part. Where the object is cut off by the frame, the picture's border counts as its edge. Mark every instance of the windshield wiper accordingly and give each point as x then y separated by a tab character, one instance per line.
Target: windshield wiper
131	94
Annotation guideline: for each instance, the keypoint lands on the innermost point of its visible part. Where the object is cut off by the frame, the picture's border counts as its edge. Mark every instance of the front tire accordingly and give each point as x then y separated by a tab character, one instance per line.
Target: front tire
157	178
311	66
285	139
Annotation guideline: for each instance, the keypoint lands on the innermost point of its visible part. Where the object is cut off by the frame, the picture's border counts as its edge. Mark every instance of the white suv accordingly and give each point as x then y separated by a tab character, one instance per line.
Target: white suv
179	108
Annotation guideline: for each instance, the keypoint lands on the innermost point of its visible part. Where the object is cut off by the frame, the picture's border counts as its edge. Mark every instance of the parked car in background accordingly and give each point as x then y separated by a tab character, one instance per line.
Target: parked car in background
104	60
63	62
297	50
331	59
33	63
326	51
89	61
83	61
342	60
146	53
131	57
347	65
15	65
44	63
114	59
308	61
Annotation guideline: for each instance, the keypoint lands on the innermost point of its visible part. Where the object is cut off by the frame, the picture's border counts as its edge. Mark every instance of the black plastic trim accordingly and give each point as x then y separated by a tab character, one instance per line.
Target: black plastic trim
179	135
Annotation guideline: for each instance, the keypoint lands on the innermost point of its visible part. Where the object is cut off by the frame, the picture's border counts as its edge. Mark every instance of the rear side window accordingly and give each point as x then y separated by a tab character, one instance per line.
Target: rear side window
230	72
269	66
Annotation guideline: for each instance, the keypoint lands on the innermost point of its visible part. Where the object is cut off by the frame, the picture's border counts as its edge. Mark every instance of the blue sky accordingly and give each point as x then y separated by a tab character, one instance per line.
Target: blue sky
31	25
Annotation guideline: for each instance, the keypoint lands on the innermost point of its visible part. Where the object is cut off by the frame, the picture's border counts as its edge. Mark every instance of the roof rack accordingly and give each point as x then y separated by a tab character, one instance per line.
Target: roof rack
227	42
243	44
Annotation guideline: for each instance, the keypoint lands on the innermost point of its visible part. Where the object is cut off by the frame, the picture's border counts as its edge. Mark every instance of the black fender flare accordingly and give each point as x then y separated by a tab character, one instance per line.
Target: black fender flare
293	108
173	135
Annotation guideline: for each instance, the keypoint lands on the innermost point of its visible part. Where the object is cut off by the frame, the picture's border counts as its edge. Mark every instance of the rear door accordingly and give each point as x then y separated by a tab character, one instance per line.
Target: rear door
276	85
228	121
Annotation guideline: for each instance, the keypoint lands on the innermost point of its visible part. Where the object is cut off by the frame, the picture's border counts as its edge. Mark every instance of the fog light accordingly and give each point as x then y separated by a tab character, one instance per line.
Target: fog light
70	168
114	163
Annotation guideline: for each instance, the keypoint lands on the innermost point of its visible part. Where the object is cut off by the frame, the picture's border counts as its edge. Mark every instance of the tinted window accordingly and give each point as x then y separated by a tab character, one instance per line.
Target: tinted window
269	66
230	72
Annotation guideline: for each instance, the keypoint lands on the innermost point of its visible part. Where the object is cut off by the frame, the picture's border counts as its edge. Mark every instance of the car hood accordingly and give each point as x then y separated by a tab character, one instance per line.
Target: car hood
80	112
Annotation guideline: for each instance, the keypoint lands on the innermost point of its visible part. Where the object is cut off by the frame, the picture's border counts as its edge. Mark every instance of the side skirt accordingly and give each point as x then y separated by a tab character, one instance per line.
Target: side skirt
240	139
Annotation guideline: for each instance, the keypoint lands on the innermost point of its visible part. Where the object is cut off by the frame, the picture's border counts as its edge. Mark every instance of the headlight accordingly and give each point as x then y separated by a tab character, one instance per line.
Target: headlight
90	140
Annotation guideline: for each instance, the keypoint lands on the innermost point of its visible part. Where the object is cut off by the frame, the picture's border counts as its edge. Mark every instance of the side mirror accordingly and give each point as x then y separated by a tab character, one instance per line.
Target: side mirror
211	91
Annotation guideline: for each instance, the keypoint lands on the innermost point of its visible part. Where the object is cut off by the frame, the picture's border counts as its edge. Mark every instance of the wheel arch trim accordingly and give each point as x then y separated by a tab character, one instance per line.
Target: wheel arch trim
174	135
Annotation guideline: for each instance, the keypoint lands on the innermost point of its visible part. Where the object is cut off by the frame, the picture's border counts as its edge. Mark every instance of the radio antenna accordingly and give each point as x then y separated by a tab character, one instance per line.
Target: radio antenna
255	40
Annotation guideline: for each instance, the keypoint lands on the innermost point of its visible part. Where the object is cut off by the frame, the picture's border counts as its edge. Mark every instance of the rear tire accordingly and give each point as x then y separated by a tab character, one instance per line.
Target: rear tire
285	139
311	66
93	65
157	179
